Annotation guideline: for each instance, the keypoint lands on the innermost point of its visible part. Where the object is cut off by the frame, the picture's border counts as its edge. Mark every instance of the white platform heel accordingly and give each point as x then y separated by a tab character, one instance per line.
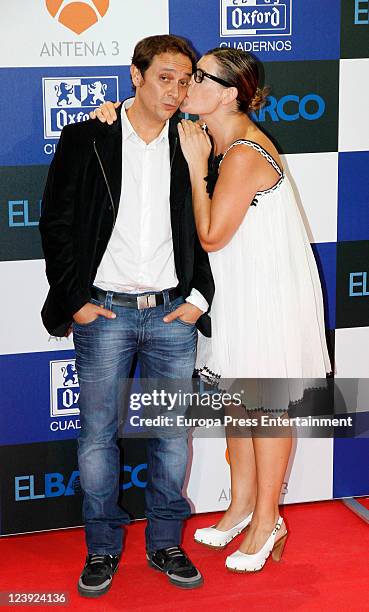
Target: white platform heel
241	562
209	536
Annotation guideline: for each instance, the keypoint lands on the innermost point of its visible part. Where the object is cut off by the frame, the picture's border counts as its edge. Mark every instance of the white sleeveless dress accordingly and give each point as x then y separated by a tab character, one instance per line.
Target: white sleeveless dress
267	315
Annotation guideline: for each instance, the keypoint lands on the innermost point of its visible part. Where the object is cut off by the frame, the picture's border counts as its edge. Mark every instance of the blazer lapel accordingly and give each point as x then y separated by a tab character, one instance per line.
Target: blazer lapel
179	176
109	146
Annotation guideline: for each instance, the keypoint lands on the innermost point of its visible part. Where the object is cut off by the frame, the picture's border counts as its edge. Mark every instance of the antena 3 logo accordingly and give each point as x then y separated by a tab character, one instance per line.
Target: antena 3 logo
77	16
64	388
256	18
69	100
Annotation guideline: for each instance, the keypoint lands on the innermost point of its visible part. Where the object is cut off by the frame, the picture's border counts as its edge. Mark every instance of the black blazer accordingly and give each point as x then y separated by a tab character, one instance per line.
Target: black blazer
79	210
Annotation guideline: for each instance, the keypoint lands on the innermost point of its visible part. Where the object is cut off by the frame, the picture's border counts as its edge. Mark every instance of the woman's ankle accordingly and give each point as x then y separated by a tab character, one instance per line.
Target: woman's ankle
262	520
240	509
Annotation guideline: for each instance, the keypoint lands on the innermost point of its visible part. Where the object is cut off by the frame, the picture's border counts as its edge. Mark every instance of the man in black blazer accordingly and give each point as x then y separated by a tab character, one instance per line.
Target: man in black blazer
121	254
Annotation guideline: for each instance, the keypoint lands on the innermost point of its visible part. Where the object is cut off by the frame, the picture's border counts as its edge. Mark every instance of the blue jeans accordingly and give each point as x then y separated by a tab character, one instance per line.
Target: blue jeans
105	350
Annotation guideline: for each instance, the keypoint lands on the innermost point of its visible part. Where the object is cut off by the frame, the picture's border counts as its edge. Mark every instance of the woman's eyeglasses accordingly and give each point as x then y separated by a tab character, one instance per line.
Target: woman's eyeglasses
200	74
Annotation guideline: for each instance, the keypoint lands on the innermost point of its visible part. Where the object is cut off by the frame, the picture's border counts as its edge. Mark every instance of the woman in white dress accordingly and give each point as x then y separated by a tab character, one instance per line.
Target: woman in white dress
267	314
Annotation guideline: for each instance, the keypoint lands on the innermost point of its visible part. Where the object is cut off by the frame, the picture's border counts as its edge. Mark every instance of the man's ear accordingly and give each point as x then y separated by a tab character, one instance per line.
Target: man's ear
136	76
229	95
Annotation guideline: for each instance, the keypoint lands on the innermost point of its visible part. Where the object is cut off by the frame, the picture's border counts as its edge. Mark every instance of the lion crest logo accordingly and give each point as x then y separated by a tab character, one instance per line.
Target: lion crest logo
70	377
64	93
97	90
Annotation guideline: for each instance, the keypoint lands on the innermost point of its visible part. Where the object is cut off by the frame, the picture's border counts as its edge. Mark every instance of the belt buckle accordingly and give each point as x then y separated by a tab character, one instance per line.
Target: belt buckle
146	301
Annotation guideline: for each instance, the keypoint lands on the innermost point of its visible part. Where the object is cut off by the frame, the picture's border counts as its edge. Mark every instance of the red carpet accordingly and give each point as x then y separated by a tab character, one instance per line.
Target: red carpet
325	566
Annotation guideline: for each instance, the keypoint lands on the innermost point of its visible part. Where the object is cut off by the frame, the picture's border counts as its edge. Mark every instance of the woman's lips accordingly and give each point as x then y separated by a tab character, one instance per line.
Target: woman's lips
184	103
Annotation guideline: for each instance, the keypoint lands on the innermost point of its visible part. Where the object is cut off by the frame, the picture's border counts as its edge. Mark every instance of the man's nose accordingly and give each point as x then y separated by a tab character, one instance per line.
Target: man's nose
174	90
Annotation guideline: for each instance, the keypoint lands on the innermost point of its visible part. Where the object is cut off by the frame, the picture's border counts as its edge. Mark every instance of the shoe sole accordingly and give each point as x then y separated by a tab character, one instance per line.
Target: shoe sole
180	585
236	571
214	547
282	540
94	594
245	571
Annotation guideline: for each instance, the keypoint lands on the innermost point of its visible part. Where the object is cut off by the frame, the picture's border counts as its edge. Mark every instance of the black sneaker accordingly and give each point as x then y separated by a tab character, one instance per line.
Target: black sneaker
97	574
177	566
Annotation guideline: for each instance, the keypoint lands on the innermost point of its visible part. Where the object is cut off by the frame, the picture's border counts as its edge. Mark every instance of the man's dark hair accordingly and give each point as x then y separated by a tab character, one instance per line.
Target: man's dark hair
147	48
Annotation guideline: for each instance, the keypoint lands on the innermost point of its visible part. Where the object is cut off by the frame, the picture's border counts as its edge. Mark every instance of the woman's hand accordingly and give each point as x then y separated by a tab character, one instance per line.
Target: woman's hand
196	145
106	112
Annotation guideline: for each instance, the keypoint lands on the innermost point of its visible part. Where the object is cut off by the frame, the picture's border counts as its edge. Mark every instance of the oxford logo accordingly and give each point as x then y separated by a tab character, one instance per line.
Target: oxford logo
77	16
64	388
262	18
70	100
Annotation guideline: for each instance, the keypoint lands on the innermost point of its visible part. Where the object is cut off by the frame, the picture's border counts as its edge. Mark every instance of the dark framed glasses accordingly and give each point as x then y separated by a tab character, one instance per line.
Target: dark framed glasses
200	74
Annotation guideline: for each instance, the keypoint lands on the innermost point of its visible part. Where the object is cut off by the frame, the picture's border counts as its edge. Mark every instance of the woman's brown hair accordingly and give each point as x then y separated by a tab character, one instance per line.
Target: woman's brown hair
240	70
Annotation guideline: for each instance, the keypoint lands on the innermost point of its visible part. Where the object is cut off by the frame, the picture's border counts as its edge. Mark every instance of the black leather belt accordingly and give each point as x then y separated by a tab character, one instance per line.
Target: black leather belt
147	300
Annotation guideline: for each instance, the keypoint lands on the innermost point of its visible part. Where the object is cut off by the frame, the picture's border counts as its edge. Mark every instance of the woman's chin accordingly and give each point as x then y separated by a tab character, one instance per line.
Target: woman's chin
186	107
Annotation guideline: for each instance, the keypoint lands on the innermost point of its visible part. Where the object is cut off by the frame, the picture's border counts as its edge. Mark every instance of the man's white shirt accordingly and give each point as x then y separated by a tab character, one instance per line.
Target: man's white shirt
139	256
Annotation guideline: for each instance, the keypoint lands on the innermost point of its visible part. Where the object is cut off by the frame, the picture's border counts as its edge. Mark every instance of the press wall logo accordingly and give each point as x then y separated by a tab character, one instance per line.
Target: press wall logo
133	476
64	388
77	16
292	107
358	284
69	100
44	486
31	487
361	12
24	213
256	18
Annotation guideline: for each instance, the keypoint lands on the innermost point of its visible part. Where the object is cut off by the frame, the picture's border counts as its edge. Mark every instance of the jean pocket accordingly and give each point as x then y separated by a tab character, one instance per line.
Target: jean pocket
174	305
97	302
89	324
186	323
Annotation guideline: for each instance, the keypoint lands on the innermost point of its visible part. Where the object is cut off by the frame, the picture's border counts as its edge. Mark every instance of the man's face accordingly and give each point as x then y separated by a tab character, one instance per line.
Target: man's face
164	85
